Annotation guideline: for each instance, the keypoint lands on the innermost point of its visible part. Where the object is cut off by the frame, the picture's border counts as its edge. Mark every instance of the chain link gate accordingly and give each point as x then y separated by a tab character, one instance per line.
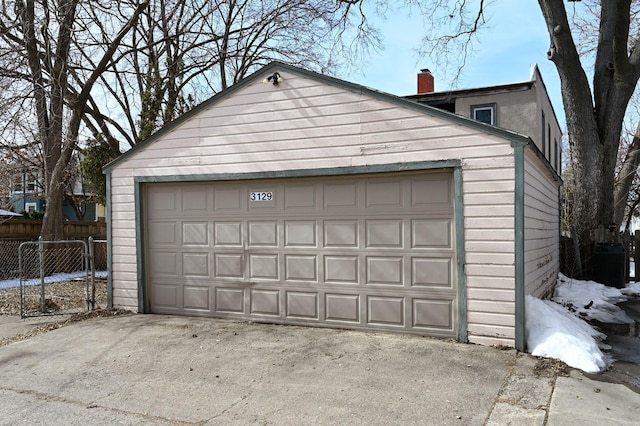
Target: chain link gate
50	273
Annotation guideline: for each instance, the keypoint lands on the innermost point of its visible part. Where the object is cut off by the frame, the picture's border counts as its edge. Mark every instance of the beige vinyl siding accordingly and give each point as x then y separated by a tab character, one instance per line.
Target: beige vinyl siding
489	241
306	124
541	227
124	264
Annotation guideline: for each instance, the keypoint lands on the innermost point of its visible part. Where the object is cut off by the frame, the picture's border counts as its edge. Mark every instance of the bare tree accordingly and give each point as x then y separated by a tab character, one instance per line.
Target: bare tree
598	62
116	71
39	36
182	53
595	118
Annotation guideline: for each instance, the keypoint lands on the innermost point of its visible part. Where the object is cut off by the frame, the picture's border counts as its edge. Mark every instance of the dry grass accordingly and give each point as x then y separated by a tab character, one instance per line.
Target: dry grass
62	297
69	298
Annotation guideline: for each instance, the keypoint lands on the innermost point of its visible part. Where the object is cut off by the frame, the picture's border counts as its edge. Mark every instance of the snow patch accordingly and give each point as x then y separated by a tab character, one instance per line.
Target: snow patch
558	328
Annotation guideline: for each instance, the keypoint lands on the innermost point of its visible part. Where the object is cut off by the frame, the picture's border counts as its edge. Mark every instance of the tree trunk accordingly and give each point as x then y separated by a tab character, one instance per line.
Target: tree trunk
586	150
594	119
626	176
53	221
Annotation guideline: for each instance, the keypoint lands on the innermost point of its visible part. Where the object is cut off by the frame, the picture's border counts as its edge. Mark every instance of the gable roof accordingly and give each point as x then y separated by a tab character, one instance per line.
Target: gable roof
325	79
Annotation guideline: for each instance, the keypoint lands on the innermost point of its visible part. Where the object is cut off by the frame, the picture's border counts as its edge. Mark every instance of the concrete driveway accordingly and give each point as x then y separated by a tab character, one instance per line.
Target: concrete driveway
150	369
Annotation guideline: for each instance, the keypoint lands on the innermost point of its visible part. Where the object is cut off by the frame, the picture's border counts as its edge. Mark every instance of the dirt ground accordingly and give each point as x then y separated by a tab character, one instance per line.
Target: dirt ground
65	303
61	297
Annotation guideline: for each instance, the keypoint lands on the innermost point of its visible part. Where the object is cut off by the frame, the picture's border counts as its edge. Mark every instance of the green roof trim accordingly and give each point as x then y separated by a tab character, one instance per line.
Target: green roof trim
293	173
332	81
520	332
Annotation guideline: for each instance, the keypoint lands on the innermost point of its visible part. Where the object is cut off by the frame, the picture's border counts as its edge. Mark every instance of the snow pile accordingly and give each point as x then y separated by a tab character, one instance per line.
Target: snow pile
591	300
554	332
556	329
632	289
54	278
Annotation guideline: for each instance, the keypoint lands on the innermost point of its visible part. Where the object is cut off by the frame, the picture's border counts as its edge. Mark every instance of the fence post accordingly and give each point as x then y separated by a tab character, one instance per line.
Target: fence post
92	265
41	259
21	281
636	263
626	245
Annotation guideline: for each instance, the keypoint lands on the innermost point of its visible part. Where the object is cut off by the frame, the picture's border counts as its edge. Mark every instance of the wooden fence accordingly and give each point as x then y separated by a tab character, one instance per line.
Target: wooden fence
28	229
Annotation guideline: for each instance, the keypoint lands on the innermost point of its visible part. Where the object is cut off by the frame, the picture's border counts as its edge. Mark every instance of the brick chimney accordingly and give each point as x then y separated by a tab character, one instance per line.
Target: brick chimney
425	81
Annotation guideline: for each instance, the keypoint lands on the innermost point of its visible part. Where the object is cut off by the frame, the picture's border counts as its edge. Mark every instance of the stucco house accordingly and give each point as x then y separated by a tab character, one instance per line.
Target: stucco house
523	107
297	198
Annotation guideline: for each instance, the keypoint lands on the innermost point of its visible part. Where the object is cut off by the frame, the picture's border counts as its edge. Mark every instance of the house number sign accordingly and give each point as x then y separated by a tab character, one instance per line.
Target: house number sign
261	196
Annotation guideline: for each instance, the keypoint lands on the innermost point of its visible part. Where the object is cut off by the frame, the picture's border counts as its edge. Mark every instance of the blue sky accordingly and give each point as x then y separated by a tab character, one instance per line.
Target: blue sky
515	38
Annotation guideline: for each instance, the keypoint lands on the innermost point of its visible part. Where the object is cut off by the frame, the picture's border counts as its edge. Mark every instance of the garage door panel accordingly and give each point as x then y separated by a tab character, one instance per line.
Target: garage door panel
383	310
301	267
340	233
229	265
227	234
302	305
341	269
163	264
432	192
433	313
228	200
263	233
265	302
342	307
195	233
164	200
196	297
384	195
385	270
195	264
165	296
300	233
229	300
195	199
341	196
374	252
431	233
385	233
263	266
300	198
163	233
432	272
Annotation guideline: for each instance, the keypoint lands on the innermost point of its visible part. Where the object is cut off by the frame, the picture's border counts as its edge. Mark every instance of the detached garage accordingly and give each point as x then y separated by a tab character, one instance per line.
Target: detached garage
315	201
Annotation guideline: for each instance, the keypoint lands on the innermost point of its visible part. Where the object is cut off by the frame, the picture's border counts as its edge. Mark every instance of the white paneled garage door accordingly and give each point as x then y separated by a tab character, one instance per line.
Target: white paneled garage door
370	251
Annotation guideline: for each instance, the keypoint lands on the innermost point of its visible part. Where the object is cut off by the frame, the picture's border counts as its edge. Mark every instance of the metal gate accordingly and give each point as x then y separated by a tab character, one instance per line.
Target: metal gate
54	277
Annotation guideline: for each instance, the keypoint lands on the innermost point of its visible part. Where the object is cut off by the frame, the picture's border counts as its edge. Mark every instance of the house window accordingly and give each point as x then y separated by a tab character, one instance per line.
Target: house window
30	207
556	154
484	113
17	184
25	183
